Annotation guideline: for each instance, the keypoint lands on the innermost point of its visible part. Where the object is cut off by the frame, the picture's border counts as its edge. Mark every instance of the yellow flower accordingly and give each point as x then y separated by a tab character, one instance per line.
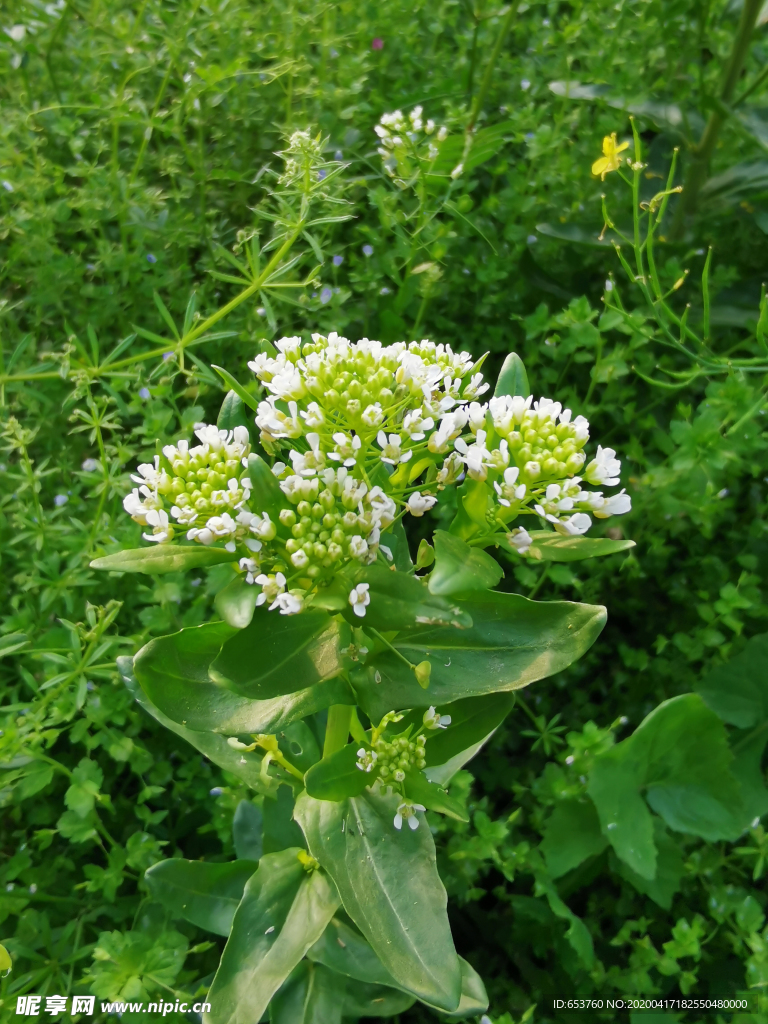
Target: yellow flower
610	160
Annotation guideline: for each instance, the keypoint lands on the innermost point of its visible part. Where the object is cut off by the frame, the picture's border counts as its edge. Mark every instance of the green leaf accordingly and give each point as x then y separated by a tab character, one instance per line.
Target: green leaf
460	568
233	413
577	934
213	746
311	995
400	601
236	603
294	653
435	798
265	493
173	672
338	777
362	1000
679	757
280	830
206	895
571	835
248	831
284	910
472	720
162	558
237	391
738	690
474	998
11	643
345	951
552	547
512	379
84	790
389	885
669	869
512	643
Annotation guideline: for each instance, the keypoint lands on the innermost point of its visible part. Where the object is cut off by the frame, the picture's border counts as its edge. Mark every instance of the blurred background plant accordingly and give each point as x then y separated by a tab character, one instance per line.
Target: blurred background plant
138	167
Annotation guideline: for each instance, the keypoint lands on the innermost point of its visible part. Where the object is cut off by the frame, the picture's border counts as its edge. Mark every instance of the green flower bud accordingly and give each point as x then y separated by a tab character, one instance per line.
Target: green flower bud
287	517
423	671
303	508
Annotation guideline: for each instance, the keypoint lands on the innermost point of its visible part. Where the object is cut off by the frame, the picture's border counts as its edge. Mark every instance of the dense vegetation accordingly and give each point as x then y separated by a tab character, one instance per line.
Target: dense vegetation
137	156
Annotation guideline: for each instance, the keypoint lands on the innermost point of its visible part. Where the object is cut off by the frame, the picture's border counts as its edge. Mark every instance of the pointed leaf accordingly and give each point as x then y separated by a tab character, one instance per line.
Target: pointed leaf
236	602
345	950
174	673
390	887
434	798
311	995
551	547
162	558
472	720
294	652
460	568
248	831
338	777
206	895
512	642
512	380
284	910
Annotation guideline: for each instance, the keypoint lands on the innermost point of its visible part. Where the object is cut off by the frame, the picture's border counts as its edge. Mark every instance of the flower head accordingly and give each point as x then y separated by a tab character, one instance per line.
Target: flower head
610	160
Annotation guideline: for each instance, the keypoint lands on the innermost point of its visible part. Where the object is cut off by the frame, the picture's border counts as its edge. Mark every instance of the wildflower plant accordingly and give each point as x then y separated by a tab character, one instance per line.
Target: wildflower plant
332	637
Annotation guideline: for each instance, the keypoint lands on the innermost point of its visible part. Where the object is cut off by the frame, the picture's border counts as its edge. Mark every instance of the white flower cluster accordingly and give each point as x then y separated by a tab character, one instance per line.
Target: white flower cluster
405	141
360	435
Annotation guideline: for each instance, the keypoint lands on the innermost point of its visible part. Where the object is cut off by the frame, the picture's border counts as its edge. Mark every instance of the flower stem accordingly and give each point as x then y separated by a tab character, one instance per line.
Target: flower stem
337	729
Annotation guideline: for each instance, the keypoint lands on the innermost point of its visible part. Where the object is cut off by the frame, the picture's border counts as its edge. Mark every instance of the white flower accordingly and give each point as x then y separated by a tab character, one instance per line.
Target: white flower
250	567
450	470
309	463
366	759
260	525
433	720
508	412
162	530
185	516
296	488
217	526
615	505
573	526
419	503
359	598
290	603
346	449
358	547
604	468
373	415
474	456
476	414
314	415
510	490
414	425
391	450
271	587
476	387
382	507
300	559
136	508
406	811
520	539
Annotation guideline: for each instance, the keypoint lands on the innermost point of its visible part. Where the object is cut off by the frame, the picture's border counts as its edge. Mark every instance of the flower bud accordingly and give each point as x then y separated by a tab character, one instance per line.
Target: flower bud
423	671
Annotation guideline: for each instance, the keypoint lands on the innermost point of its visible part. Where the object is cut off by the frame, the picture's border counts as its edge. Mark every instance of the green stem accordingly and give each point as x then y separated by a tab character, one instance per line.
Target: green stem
490	67
337	729
702	153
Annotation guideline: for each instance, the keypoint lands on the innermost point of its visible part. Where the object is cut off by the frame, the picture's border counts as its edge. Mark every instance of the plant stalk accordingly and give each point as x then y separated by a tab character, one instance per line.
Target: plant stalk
490	67
702	153
337	729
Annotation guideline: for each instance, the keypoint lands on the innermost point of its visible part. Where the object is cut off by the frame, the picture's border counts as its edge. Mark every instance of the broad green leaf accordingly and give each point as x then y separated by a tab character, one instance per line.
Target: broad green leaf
337	777
162	558
551	547
284	910
512	643
571	835
460	568
345	951
206	895
248	831
280	654
577	934
311	995
369	1001
210	744
679	756
234	412
265	493
738	690
669	869
512	379
389	885
236	602
474	998
441	774
173	672
400	601
422	791
280	830
472	720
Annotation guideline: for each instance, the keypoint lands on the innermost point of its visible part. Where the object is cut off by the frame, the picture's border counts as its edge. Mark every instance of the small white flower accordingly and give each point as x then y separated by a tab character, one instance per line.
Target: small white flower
300	559
573	526
366	759
414	425
615	505
314	415
346	450
433	720
290	603
474	456
604	468
476	386
373	415
520	539
419	503
391	449
358	547
162	530
271	587
250	567
406	811
382	507
457	171
359	598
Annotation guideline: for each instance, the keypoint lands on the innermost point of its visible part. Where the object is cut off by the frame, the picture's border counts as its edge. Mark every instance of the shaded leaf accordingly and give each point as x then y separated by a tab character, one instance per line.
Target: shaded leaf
571	835
162	558
434	797
460	568
248	831
206	895
337	777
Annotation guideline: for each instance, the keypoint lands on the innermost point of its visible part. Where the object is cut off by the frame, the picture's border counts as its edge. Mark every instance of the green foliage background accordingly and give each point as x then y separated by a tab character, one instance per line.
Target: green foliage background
136	141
